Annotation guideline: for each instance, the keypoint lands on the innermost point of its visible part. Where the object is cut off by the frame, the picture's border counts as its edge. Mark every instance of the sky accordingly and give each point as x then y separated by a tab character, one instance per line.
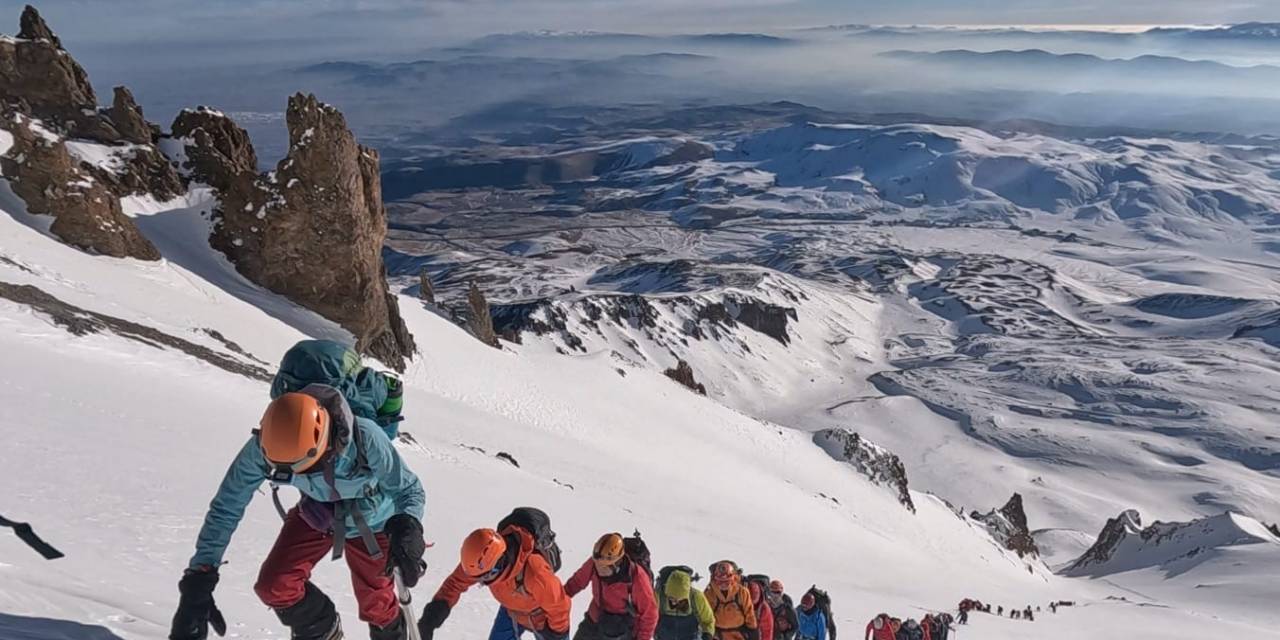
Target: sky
408	23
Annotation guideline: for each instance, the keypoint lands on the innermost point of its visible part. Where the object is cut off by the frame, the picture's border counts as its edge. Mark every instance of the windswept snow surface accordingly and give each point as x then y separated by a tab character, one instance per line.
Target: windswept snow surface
113	448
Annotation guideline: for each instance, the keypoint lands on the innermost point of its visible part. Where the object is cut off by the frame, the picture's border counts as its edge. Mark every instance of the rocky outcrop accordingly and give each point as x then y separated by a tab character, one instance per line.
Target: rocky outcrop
219	152
127	117
86	214
37	71
1115	531
1008	525
683	373
477	317
312	230
426	292
876	463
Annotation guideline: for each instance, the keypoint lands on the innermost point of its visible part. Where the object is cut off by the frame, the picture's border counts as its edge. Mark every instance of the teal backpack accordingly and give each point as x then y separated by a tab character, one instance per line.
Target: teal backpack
372	394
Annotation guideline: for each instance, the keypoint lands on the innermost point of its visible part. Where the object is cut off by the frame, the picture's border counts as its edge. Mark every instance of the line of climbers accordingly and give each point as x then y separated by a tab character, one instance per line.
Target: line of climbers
933	626
519	558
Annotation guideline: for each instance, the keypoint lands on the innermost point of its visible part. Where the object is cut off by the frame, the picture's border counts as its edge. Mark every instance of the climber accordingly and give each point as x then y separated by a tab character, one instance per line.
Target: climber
731	603
911	630
683	612
784	612
811	622
758	586
517	561
623	606
878	629
895	625
352	480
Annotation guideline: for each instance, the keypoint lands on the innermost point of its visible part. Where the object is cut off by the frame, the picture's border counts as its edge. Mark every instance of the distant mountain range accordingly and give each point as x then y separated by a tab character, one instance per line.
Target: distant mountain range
1148	67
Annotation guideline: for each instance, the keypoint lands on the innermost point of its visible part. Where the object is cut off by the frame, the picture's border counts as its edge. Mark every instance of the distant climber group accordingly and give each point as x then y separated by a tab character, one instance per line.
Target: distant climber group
933	626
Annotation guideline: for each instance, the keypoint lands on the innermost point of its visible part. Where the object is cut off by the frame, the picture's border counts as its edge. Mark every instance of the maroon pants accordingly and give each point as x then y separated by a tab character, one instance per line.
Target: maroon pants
284	574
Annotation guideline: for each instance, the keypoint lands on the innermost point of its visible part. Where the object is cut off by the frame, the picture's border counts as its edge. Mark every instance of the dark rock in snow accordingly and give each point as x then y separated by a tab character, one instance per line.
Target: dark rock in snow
219	152
1008	525
503	455
876	463
683	373
312	230
31	26
86	214
127	117
80	322
426	292
478	319
1113	533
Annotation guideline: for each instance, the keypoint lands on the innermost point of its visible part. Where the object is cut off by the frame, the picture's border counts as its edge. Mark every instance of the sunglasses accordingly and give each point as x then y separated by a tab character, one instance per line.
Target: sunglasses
496	571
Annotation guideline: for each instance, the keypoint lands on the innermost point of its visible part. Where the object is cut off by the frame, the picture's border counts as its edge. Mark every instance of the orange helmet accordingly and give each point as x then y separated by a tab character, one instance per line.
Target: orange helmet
482	554
294	431
608	551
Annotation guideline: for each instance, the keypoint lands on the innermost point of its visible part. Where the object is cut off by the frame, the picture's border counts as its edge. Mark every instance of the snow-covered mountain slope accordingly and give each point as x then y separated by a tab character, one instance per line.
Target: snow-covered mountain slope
113	446
1087	322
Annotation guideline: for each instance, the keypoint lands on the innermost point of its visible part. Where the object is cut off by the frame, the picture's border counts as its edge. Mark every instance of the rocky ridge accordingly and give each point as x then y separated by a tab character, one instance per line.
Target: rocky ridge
311	230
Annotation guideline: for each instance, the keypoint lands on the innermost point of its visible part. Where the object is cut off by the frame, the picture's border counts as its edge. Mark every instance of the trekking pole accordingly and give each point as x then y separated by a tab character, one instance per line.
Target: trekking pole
24	533
406	608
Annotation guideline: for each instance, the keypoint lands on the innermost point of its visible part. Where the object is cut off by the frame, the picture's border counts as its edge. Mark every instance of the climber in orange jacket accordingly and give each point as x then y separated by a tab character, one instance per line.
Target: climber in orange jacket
731	602
521	580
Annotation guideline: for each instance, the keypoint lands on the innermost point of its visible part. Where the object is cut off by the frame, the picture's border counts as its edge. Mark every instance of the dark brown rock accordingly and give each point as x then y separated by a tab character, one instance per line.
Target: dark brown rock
312	230
426	292
127	117
478	319
31	26
1008	525
881	466
683	373
219	152
37	72
86	212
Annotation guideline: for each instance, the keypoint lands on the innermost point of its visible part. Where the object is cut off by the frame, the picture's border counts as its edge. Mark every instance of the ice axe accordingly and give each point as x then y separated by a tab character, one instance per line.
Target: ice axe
406	606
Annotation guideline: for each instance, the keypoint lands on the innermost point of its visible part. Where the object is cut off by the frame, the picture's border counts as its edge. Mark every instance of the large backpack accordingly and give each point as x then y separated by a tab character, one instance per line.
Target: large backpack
370	393
638	552
660	582
538	524
823	601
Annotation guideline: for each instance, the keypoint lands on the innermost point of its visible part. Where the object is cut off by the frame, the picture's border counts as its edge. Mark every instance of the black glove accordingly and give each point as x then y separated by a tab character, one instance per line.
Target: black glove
405	548
196	610
707	636
433	615
751	634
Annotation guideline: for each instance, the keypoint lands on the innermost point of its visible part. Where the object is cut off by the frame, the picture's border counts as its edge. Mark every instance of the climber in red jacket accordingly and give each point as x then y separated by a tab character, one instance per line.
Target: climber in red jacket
764	614
622	600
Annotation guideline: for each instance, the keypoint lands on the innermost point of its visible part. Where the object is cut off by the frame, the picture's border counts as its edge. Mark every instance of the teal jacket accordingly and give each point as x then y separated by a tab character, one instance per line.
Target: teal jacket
384	489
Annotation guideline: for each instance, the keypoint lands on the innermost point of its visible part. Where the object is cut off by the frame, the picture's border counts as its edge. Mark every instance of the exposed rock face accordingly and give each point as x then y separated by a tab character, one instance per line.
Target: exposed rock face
37	73
477	317
426	292
127	117
1008	525
683	373
876	463
86	213
311	230
1113	533
1274	529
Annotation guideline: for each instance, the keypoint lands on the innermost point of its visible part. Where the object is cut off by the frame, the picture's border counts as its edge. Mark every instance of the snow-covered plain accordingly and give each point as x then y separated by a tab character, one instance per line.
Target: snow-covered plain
113	447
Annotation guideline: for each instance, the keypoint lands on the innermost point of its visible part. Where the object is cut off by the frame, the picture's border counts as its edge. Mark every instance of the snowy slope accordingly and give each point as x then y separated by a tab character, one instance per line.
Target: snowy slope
114	446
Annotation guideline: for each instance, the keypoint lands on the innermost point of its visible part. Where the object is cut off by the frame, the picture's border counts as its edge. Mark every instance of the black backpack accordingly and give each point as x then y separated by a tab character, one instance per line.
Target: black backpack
823	601
660	582
638	552
538	524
